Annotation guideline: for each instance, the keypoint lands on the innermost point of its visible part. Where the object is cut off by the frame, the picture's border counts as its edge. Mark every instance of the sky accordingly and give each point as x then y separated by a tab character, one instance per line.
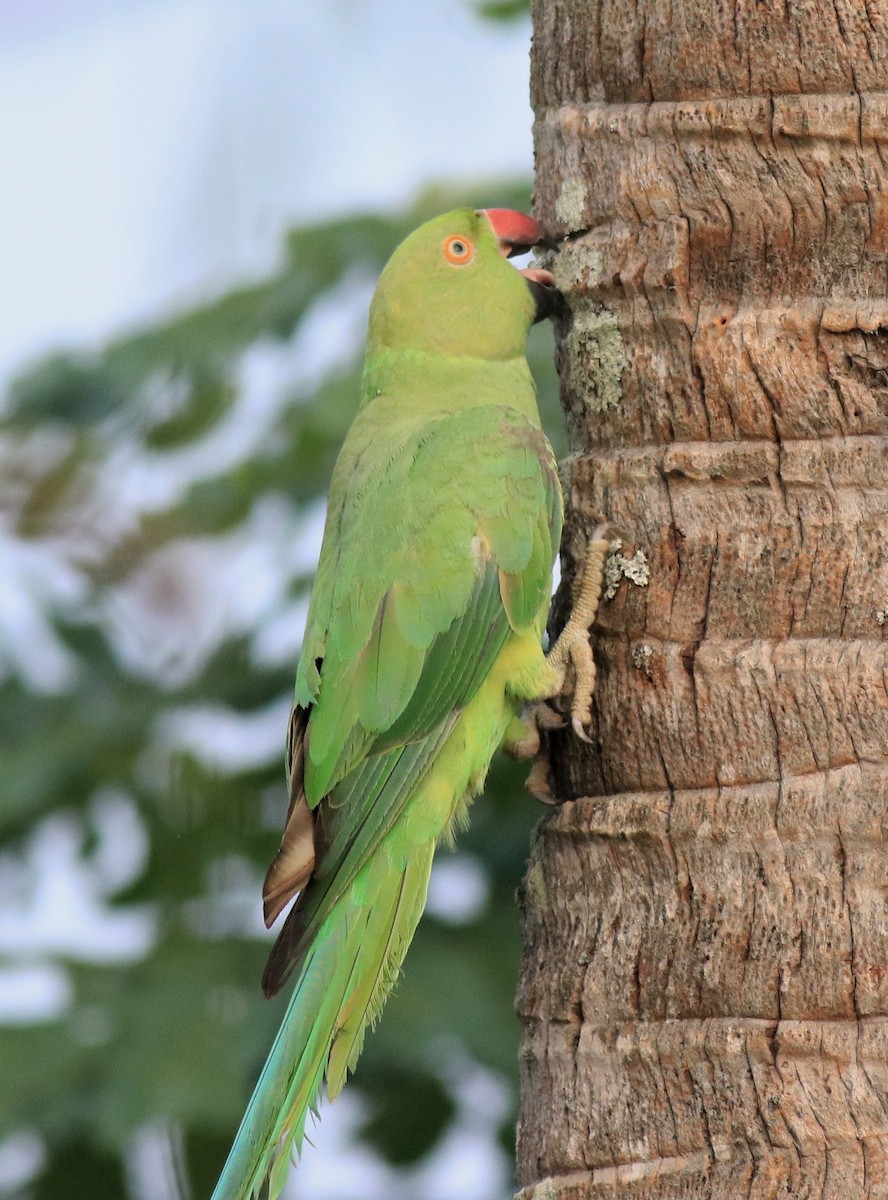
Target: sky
154	152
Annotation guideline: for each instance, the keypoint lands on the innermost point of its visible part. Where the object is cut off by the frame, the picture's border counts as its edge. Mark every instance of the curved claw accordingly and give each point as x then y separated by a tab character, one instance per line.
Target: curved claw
578	729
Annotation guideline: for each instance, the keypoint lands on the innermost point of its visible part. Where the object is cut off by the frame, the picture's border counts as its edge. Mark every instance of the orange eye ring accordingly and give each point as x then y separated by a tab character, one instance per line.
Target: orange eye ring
458	250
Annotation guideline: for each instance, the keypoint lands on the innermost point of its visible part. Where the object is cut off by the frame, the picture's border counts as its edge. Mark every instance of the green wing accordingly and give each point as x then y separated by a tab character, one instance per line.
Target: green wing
350	824
430	558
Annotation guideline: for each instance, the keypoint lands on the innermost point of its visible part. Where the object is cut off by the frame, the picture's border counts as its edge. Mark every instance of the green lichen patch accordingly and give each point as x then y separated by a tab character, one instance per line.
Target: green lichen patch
617	566
570	207
594	345
596	358
576	262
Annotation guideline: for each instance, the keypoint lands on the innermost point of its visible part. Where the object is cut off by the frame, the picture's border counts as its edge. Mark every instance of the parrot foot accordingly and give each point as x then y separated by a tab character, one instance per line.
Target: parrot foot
572	647
524	742
537	782
535	719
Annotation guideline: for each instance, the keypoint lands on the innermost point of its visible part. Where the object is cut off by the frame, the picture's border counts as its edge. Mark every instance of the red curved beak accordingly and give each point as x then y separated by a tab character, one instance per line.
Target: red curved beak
517	233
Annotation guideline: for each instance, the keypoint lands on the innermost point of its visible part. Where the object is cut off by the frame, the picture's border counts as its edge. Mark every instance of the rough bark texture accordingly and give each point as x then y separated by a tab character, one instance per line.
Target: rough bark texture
705	986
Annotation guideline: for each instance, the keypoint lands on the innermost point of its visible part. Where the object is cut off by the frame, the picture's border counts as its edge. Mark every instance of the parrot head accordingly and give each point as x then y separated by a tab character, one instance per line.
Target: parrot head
448	288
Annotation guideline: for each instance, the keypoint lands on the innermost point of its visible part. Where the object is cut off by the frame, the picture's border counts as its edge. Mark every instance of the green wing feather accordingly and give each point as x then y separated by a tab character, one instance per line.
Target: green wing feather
437	612
398	578
353	821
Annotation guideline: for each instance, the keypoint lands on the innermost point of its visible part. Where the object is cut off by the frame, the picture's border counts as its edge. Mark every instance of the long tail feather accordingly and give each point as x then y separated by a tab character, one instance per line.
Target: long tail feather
344	979
348	939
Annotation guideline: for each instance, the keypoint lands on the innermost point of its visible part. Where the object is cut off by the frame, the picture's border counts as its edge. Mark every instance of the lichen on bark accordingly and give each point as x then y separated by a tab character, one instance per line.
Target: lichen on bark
618	565
571	203
594	344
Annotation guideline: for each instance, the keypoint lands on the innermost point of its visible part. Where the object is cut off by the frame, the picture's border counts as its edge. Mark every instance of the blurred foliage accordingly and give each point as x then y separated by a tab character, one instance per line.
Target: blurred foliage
134	483
503	10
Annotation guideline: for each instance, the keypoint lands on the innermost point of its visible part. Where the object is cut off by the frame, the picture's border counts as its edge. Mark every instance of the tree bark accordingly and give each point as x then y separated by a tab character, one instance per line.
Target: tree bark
705	981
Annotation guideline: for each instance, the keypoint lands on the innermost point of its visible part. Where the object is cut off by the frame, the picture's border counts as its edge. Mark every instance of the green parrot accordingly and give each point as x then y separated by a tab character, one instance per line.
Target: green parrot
423	641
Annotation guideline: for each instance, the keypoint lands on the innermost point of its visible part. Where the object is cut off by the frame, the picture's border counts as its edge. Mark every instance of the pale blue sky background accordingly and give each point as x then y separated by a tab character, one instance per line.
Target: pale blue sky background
152	153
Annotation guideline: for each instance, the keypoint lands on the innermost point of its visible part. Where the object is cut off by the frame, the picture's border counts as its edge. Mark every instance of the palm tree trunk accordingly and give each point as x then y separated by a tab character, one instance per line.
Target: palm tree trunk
705	981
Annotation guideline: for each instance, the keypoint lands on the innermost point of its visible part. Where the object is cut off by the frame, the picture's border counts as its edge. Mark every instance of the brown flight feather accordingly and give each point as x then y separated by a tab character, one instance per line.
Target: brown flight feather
294	862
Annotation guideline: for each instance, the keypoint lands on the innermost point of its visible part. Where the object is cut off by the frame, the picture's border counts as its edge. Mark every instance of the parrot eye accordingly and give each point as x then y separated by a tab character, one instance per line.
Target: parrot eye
458	250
